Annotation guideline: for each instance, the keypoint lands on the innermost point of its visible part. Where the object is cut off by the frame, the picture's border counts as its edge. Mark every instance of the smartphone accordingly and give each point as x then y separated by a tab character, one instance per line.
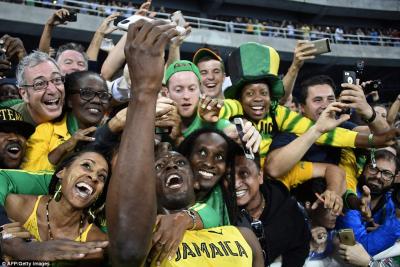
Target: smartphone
322	45
178	18
124	24
349	77
346	237
118	20
71	17
239	127
2	51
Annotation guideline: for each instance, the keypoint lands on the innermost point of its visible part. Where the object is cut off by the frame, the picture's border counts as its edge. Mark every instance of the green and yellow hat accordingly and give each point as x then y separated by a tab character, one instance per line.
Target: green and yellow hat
253	62
181	65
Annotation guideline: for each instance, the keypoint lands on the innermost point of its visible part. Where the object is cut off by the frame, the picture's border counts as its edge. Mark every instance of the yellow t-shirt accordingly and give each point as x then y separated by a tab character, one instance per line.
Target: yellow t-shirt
46	137
219	246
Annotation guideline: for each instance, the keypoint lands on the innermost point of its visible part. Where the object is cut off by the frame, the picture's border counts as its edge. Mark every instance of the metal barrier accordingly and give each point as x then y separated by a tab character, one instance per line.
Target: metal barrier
234	27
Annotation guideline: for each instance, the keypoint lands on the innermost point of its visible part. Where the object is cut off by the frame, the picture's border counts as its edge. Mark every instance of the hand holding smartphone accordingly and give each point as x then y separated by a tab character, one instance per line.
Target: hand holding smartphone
239	127
346	237
322	46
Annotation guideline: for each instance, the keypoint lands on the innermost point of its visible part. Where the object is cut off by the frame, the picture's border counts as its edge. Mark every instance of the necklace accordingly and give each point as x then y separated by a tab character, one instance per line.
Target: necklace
48	223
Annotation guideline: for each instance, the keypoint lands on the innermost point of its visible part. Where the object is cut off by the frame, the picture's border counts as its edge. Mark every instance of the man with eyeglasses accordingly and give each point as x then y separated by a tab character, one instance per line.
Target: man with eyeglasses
382	231
41	86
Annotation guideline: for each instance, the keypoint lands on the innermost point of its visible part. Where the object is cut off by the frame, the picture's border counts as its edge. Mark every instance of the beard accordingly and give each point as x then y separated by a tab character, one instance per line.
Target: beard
376	190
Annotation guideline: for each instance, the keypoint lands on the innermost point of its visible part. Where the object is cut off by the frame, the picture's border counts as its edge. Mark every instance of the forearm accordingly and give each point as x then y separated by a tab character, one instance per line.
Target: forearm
282	160
56	154
131	222
94	47
335	179
288	82
394	109
114	60
173	55
45	39
379	125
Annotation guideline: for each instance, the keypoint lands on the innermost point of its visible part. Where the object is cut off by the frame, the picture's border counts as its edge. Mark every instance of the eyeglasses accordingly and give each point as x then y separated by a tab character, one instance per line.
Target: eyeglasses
42	85
88	94
386	175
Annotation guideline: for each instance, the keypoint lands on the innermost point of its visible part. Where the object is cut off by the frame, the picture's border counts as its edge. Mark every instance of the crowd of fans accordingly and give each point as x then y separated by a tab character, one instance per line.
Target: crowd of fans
156	163
257	26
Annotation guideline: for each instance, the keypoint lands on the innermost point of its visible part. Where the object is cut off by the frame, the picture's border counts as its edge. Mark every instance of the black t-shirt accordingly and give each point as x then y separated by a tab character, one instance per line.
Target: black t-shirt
316	153
285	228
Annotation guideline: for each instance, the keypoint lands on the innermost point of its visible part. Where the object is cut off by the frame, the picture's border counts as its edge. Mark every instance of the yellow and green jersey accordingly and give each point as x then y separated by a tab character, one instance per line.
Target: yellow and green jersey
288	121
219	246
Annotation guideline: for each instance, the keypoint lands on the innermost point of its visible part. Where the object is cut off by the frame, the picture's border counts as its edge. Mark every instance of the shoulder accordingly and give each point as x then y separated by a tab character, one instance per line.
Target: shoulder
19	207
95	234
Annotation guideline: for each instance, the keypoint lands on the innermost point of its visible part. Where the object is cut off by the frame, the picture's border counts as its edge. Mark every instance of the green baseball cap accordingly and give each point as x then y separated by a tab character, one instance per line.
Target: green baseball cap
253	62
181	65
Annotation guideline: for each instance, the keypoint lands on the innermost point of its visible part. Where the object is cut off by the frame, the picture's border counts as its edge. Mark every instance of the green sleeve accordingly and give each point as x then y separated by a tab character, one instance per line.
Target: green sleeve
10	103
22	182
213	212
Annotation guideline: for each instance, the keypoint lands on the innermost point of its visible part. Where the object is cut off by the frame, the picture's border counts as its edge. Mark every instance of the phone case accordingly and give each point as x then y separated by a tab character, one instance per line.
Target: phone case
346	237
322	46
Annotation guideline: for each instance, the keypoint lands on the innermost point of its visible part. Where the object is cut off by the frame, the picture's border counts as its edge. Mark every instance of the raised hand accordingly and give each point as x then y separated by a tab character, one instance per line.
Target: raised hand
208	108
107	27
58	17
328	121
304	50
144	52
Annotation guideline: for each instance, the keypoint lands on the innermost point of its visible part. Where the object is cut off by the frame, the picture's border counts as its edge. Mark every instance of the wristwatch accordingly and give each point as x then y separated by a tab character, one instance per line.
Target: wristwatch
192	215
368	121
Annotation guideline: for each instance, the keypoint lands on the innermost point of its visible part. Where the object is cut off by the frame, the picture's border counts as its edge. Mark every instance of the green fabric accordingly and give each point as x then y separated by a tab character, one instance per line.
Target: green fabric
198	123
10	103
251	67
72	123
23	182
181	65
215	207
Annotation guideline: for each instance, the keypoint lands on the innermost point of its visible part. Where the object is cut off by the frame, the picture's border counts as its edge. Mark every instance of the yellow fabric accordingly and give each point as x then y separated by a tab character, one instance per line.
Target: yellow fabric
31	225
348	163
220	246
300	173
288	121
46	138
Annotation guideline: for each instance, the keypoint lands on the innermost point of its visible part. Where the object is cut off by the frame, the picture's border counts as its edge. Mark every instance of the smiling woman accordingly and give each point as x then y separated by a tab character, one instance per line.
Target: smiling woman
87	100
77	193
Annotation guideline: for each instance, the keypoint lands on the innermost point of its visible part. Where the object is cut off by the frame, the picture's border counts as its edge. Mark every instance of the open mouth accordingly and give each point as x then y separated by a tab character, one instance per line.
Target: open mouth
13	149
174	181
211	85
258	110
84	190
52	102
206	174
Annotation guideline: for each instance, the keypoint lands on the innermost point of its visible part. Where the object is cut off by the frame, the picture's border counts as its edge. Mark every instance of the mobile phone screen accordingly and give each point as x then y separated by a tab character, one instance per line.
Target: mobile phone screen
239	127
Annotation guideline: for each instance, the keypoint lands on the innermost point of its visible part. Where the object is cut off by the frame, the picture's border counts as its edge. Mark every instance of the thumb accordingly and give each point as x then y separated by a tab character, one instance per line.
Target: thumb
315	204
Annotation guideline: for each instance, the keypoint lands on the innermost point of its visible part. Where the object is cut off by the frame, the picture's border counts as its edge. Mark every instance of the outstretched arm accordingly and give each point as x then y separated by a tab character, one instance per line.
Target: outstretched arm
394	109
131	222
56	19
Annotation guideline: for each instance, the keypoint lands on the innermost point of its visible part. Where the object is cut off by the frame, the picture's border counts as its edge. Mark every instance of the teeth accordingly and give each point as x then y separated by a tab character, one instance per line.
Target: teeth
210	85
51	102
84	188
94	110
240	193
206	174
257	108
173	181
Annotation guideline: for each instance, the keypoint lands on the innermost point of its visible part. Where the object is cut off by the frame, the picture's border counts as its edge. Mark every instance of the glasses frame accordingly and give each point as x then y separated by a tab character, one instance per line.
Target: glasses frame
375	171
94	94
46	82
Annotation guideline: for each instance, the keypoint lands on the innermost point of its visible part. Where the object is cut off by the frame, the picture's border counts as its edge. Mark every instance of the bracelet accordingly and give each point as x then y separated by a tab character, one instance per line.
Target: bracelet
373	117
371	140
192	215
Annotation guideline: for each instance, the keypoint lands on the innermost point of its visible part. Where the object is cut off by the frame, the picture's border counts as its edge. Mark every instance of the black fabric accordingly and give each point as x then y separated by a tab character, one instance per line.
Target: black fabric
316	153
286	230
93	66
3	216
